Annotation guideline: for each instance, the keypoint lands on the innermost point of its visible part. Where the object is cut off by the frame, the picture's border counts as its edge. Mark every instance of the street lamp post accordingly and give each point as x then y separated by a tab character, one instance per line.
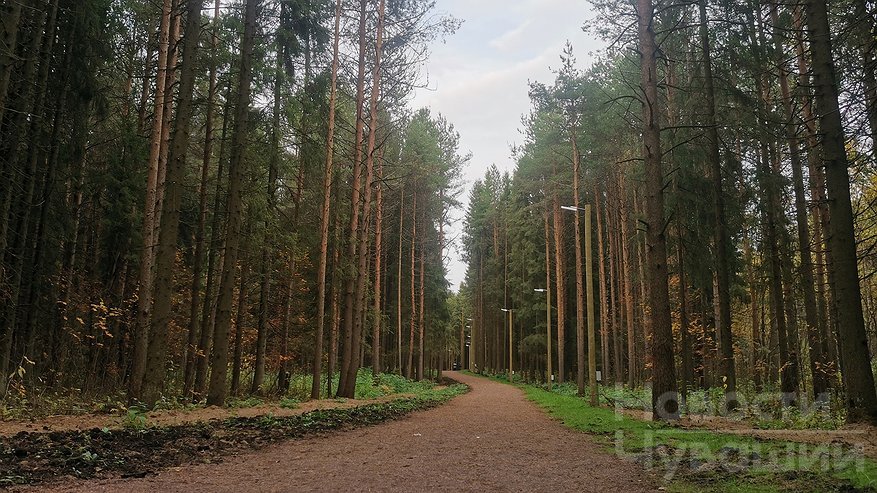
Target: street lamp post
511	345
462	336
548	332
589	278
471	345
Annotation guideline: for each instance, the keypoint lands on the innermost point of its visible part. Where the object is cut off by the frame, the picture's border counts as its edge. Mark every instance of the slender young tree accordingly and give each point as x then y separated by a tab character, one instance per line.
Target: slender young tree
324	214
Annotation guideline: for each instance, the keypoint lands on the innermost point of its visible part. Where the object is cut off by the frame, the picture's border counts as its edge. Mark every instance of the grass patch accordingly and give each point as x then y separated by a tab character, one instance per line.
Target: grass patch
698	460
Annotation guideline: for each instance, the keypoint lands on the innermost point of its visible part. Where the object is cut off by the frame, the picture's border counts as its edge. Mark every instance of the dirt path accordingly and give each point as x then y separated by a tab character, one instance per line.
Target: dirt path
491	439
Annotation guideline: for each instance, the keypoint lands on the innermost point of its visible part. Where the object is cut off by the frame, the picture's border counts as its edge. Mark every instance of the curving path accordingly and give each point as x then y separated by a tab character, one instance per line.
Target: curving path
491	439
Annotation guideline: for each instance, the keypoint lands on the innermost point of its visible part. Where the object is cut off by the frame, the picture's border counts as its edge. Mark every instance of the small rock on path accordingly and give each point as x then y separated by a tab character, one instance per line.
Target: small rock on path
490	439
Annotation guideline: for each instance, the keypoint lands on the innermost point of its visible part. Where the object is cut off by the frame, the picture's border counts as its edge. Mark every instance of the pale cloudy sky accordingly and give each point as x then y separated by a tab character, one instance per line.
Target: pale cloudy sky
478	78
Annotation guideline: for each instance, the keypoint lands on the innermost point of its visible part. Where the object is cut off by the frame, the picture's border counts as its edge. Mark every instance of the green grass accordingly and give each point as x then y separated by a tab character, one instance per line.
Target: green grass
697	460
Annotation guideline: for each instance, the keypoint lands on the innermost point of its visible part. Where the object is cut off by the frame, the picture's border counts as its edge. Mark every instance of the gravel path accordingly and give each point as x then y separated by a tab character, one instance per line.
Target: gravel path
491	439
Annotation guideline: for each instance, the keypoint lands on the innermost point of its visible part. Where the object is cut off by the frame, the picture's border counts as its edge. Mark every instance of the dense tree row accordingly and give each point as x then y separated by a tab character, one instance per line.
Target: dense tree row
728	150
165	168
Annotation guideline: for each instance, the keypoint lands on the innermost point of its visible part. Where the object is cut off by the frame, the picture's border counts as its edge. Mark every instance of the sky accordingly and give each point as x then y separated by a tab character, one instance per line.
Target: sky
478	79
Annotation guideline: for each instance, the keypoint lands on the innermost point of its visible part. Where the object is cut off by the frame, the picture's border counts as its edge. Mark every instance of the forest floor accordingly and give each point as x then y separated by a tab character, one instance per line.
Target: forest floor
489	439
177	417
78	450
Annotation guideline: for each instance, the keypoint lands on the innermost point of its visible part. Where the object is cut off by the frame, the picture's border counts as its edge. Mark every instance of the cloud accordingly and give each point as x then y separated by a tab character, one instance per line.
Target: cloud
479	76
510	39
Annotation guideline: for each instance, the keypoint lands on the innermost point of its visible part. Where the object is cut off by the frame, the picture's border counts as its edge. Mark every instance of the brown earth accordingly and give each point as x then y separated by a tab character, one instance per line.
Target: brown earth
85	422
491	439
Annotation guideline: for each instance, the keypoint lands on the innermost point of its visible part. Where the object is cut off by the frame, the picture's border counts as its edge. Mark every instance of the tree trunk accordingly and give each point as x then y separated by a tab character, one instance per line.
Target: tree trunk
170	213
721	240
349	352
580	288
605	321
208	309
824	297
147	254
805	267
408	367
861	397
198	254
267	239
615	290
664	398
421	329
362	273
219	360
11	20
239	323
399	284
560	284
335	308
324	217
378	313
627	278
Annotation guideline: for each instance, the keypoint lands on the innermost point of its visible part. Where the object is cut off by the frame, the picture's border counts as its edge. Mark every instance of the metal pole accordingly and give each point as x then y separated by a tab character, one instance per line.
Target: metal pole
511	335
462	335
548	312
592	344
472	345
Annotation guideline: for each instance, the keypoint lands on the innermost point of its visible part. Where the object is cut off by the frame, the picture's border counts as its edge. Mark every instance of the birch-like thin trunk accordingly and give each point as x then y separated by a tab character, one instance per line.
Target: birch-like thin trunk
408	367
324	218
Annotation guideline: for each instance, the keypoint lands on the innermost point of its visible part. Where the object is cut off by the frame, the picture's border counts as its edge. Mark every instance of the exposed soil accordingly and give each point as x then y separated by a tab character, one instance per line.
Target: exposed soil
85	422
859	437
491	439
36	458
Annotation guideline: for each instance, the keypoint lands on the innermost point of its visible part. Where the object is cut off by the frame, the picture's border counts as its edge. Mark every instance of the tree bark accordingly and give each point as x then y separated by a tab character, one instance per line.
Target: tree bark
560	284
362	274
378	313
170	212
215	256
198	254
324	216
217	390
627	279
605	321
805	266
861	397
824	297
239	330
664	398
10	22
408	367
350	347
147	254
721	239
580	288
